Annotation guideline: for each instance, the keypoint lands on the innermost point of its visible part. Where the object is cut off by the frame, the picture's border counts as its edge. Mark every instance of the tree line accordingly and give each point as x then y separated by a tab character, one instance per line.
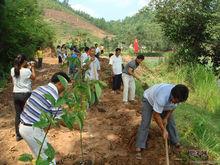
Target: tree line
190	28
22	30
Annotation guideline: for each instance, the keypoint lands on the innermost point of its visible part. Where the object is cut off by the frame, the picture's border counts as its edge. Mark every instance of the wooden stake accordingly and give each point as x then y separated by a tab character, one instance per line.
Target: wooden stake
167	153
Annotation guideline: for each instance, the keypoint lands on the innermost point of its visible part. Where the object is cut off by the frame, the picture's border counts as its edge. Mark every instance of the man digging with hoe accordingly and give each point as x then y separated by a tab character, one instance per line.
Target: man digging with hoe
160	101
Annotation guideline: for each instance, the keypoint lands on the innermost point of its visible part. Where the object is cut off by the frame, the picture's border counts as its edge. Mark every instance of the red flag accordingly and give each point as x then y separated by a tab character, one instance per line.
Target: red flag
136	49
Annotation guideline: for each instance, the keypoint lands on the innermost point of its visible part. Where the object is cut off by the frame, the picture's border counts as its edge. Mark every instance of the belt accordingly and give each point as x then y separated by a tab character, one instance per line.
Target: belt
26	124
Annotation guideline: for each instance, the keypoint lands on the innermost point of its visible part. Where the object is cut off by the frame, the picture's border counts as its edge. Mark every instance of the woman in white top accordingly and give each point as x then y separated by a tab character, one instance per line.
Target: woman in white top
22	75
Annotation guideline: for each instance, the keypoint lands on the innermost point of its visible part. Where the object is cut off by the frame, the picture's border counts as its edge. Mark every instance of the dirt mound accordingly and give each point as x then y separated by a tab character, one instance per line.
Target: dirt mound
75	21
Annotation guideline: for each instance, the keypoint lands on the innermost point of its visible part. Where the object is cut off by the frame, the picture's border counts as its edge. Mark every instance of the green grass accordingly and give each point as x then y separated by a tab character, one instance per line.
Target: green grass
198	128
151	54
152	62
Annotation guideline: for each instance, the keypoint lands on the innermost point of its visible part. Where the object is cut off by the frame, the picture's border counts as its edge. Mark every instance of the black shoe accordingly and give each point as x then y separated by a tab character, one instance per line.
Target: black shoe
18	138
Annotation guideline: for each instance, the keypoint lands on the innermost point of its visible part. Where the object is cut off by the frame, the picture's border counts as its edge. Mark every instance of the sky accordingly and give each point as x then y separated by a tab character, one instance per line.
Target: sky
109	9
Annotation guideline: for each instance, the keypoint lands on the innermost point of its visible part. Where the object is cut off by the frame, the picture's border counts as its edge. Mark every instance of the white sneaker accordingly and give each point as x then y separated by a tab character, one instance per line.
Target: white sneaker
125	103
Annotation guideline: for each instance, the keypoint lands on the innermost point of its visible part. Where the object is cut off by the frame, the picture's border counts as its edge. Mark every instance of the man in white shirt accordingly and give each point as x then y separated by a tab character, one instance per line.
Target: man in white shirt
84	56
94	66
97	51
116	63
160	101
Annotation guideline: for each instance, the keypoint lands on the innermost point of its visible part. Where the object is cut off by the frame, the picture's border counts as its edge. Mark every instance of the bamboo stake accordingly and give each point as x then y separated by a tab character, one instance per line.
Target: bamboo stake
167	153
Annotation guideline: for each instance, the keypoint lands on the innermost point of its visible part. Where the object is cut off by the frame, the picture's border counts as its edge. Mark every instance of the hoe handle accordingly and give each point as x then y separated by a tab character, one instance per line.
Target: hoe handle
167	153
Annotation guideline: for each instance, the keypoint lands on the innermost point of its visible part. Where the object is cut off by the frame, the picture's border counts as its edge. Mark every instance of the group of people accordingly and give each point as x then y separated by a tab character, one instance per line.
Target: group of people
159	101
89	60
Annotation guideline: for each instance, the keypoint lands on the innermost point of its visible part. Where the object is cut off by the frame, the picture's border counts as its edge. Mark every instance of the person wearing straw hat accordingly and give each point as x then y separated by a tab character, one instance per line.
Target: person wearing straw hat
160	101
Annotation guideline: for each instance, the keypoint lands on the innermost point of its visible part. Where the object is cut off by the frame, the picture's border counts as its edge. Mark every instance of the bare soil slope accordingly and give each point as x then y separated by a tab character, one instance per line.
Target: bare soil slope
75	21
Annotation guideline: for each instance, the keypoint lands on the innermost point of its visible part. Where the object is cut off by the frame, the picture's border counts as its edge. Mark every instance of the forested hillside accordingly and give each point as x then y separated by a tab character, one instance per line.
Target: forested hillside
142	25
22	31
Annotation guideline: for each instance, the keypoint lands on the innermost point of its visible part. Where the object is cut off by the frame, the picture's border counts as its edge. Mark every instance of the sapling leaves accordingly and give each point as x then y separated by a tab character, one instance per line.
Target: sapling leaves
63	81
26	158
98	90
80	120
50	98
38	141
102	84
61	101
86	60
76	76
89	94
93	98
68	119
50	152
40	161
44	121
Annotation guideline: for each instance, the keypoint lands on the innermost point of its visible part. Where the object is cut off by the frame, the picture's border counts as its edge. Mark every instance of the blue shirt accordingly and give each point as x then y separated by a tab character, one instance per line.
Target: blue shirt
159	97
38	103
74	55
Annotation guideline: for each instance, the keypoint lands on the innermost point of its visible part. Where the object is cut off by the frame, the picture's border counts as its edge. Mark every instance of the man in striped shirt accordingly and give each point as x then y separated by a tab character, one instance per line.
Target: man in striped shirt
36	104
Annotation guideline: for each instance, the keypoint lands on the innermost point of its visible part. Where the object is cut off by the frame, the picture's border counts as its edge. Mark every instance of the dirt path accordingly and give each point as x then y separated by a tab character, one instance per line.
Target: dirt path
105	137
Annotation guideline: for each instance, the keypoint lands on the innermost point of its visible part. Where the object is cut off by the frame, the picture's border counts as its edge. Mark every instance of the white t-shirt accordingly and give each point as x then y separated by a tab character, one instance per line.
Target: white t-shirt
23	83
159	97
97	50
83	58
116	63
92	73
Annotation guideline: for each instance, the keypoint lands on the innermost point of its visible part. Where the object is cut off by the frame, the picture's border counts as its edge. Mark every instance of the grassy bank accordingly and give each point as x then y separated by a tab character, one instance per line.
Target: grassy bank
198	119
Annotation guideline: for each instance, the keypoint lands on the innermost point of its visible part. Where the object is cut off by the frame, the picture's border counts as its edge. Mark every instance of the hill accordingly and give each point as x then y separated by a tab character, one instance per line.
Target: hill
66	23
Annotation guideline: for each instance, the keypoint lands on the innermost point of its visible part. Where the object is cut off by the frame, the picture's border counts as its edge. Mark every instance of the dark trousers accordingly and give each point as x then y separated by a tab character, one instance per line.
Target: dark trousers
19	102
117	80
39	62
97	55
60	60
